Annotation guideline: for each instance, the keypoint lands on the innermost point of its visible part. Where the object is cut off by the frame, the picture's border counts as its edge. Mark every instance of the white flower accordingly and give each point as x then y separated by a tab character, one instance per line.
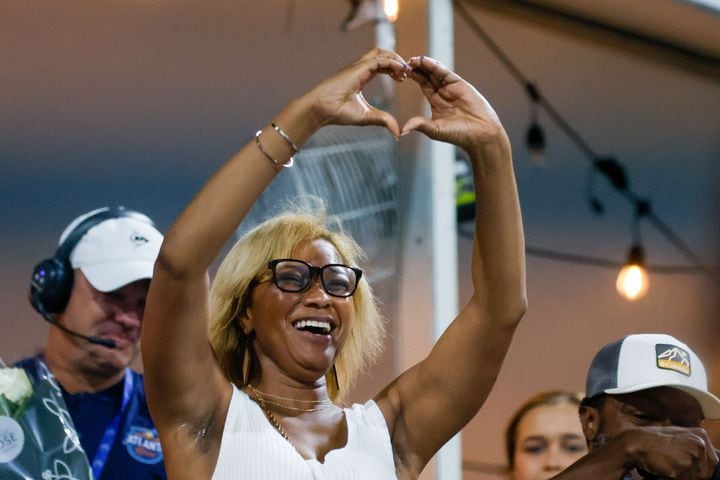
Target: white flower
14	384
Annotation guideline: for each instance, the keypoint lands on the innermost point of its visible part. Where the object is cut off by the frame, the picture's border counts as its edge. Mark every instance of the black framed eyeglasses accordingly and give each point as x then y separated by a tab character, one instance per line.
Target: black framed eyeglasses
338	280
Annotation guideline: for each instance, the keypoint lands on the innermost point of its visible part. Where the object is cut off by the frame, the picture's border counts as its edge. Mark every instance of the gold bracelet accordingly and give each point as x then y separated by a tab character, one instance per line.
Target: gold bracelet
284	135
287	164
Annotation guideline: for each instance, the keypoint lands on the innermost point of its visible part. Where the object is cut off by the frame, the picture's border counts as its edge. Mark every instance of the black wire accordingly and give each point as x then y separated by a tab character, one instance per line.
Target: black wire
664	229
652	217
571	258
569	131
601	262
515	72
577	259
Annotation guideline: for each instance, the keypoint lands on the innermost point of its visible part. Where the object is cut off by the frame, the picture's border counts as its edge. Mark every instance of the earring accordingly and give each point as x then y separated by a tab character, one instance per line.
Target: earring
247	359
335	376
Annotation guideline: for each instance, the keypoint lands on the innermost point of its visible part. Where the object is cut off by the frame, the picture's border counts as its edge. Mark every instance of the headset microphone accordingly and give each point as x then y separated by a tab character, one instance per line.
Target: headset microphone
50	319
53	278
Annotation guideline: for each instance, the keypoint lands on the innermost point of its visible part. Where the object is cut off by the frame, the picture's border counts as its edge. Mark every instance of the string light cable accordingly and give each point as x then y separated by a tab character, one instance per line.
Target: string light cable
467	230
609	167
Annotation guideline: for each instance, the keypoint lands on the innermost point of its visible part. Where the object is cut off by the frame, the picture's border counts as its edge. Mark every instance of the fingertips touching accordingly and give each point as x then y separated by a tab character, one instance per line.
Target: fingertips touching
400	70
384	119
397	69
423	61
384	61
419	124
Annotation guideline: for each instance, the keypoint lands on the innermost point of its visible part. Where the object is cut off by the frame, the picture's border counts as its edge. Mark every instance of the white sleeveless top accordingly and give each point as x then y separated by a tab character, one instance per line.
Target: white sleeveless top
252	449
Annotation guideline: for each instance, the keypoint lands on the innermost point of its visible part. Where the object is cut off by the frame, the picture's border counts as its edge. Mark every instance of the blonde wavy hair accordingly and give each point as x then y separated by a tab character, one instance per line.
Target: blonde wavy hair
247	263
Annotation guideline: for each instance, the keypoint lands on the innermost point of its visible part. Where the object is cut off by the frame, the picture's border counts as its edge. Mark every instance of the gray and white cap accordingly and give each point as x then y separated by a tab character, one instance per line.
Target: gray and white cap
648	360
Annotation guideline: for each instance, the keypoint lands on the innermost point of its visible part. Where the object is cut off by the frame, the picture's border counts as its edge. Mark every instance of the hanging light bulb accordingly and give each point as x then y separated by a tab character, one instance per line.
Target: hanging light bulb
535	137
535	141
633	280
391	8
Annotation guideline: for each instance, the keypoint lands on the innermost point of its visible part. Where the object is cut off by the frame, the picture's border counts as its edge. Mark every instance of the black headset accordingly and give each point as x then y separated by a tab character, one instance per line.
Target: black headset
53	278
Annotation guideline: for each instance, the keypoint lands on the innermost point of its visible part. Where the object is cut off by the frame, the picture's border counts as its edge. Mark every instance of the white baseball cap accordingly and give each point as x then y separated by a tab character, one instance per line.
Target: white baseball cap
643	361
116	251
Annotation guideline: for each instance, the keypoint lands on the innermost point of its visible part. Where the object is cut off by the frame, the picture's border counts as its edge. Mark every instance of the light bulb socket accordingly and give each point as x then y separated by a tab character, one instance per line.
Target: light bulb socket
636	256
613	171
535	139
532	92
642	208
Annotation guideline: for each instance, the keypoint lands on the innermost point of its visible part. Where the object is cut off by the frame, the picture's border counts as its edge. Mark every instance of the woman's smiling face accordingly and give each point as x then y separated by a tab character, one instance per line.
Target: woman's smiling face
285	339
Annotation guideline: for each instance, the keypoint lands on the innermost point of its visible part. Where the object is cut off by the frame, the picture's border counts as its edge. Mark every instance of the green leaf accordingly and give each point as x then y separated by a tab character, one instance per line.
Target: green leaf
5	406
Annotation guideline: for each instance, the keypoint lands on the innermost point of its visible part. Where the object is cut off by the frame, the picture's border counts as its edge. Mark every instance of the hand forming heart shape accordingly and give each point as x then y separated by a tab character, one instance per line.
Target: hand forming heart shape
460	114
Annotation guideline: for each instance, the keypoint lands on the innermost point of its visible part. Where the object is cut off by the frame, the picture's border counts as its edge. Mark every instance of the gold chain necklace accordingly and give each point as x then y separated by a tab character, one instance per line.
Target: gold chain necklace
274	421
271	417
324	406
278	397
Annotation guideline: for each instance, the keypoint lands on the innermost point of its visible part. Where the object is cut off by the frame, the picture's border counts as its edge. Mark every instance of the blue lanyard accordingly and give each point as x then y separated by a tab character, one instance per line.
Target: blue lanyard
108	438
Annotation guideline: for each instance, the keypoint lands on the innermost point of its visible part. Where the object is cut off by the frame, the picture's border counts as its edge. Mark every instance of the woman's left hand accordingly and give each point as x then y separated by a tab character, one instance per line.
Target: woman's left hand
460	114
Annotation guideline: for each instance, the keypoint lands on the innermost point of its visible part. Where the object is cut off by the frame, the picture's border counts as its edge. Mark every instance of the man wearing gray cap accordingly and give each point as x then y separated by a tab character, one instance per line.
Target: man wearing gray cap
92	291
646	397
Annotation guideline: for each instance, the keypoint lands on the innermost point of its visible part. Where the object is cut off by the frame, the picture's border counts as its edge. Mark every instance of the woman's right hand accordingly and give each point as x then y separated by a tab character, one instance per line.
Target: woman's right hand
338	100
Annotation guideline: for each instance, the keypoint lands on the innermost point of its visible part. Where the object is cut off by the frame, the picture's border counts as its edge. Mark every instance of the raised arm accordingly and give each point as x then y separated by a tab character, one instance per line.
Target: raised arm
432	401
187	392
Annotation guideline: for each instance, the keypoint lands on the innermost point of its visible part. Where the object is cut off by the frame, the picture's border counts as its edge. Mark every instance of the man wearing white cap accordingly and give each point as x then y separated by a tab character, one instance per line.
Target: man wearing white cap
93	293
646	398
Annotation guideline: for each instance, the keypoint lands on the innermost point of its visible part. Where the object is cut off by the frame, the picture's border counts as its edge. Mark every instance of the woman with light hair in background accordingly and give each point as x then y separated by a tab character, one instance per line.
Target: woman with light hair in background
544	436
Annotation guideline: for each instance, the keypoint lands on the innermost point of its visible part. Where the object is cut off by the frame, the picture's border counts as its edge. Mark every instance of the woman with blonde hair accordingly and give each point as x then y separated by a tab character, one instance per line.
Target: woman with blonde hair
238	275
292	318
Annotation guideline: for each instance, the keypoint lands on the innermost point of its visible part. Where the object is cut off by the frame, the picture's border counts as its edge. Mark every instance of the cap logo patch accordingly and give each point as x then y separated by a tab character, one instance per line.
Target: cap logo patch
138	239
672	357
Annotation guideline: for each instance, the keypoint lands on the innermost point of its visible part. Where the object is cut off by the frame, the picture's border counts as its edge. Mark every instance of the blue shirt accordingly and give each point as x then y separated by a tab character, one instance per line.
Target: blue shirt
135	453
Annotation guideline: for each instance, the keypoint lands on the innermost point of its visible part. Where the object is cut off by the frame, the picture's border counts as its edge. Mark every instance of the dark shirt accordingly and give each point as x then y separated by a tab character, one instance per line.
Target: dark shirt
135	452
